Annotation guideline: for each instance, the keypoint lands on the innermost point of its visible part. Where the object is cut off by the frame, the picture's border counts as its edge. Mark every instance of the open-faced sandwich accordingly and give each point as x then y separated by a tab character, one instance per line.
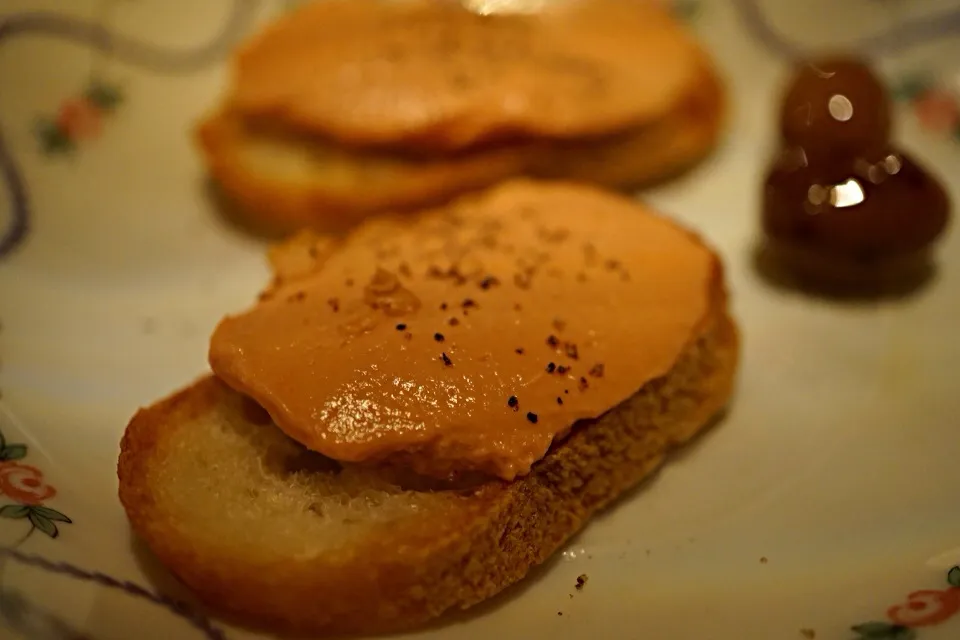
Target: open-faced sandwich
346	107
413	416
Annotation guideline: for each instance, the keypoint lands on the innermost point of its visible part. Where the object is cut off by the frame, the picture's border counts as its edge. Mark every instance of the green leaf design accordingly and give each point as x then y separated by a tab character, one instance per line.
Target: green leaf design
13	452
953	577
51	514
52	139
883	631
105	96
14	511
910	88
43	524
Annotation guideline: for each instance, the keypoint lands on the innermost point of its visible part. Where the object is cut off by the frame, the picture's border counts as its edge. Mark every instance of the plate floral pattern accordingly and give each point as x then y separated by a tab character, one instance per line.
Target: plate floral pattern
933	101
25	491
80	117
925	608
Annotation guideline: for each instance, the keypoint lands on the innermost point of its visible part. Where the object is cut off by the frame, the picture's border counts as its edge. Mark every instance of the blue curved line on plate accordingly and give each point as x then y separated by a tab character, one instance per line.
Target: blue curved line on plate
128	50
904	36
19	226
182	610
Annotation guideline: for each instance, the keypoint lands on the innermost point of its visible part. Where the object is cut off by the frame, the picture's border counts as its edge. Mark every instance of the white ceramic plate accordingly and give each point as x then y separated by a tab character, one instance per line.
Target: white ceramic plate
828	498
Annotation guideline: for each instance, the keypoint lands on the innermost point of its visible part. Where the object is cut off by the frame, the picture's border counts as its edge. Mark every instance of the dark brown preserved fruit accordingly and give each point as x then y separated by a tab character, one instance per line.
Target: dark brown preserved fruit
841	205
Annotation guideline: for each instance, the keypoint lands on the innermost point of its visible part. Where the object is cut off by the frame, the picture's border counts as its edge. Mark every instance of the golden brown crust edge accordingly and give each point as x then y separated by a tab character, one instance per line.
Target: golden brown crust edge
491	540
288	204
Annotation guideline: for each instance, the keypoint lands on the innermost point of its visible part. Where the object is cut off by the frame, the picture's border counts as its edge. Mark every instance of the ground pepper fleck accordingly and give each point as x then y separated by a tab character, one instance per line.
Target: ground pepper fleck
401	327
583	383
553	341
468	303
297	297
513	402
597	370
571	350
559	324
562	369
559	400
443	306
581	580
551	367
453	322
532	417
438	337
488	282
519	351
334	304
408	336
446	359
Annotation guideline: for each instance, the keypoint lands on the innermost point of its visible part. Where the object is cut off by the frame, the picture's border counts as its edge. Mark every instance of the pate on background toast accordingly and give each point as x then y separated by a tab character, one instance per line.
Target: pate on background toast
346	108
283	181
434	76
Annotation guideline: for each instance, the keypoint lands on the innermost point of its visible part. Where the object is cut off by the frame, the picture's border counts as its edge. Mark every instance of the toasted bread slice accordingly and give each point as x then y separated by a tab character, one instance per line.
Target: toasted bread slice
283	538
283	180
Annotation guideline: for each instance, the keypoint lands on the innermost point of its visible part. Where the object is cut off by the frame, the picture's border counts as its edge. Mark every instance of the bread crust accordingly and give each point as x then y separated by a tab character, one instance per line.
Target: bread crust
454	556
333	187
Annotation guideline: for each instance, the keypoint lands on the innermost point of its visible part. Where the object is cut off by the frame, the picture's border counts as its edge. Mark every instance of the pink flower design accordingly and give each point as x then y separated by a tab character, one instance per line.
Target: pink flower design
79	119
938	110
24	483
926	608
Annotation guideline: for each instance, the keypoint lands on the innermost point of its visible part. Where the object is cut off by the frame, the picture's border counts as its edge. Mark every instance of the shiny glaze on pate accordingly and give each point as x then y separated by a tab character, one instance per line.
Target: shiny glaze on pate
468	339
435	76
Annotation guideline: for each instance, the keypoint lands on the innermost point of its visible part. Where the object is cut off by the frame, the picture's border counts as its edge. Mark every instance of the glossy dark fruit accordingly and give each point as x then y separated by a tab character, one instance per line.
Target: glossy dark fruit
840	202
879	209
835	107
